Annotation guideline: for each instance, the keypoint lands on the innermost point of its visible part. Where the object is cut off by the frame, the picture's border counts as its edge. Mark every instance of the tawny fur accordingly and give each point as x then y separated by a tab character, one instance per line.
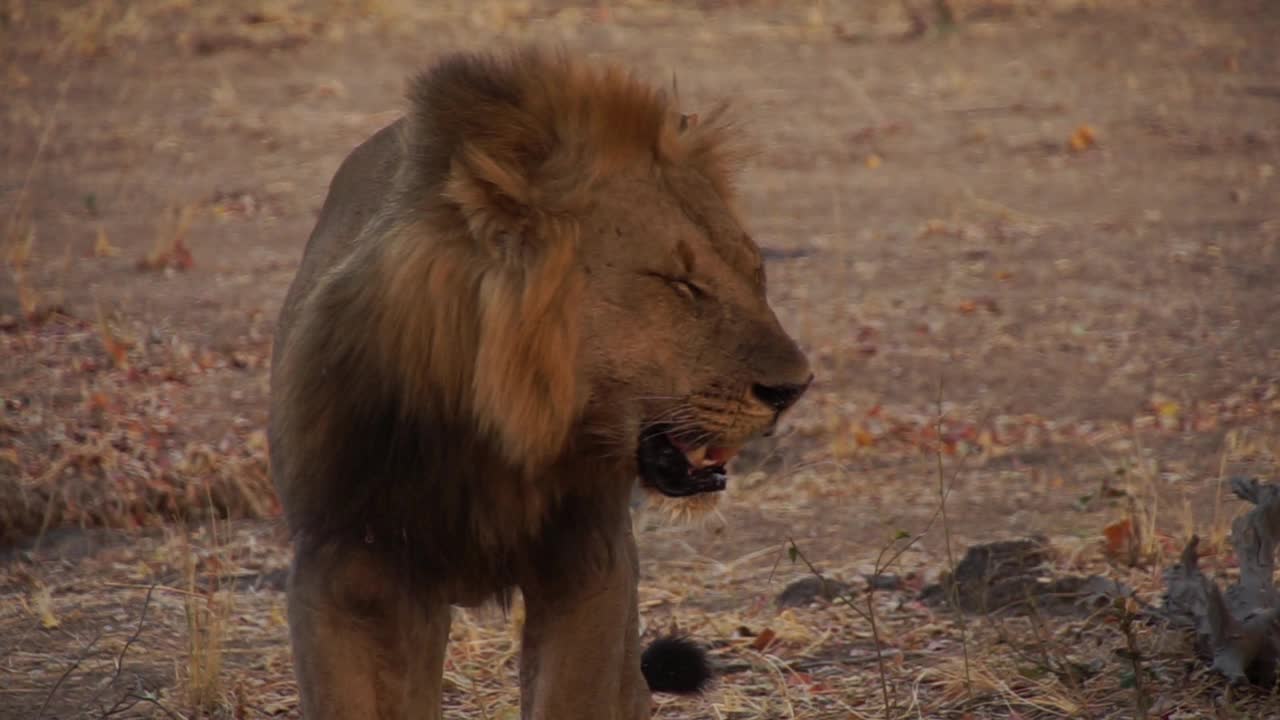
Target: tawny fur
460	374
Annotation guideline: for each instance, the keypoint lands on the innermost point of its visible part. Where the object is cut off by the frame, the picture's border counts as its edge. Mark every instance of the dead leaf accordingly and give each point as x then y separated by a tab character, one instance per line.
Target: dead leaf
99	401
989	304
1121	538
1082	139
863	438
1168	413
117	349
763	640
986	440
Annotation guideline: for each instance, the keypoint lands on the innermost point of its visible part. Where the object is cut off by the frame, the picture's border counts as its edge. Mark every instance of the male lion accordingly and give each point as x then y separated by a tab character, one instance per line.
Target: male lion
517	299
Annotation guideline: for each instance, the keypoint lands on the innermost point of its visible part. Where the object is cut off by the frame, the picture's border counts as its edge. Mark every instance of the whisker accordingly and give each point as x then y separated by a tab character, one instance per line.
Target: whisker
676	410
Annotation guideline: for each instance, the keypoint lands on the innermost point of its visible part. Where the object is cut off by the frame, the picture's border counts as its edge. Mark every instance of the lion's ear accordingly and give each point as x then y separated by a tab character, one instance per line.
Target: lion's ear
495	198
487	142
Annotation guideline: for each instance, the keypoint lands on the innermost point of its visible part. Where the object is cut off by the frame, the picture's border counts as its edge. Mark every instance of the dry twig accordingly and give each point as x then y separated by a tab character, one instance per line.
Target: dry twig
1238	631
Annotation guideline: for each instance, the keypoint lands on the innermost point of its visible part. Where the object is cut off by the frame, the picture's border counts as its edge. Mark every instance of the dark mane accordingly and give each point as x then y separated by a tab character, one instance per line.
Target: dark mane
544	125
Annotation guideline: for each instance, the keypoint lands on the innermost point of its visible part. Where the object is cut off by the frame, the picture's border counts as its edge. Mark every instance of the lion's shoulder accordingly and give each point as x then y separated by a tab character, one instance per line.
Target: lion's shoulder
360	188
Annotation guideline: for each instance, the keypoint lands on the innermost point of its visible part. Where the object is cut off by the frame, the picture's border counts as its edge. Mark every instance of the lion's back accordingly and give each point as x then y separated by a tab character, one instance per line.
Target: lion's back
361	186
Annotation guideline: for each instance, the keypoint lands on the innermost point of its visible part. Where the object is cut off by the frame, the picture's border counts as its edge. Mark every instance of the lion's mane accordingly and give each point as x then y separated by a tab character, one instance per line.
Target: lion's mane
428	404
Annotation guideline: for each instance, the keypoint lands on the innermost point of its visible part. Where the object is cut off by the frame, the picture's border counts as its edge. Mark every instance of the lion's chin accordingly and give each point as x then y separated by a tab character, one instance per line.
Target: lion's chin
679	468
675	511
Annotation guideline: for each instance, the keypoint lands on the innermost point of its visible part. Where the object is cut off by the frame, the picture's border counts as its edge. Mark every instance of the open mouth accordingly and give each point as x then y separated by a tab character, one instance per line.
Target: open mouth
678	467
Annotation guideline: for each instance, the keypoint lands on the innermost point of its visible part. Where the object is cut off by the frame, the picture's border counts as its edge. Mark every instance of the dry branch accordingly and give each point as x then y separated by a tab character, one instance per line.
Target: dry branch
1236	630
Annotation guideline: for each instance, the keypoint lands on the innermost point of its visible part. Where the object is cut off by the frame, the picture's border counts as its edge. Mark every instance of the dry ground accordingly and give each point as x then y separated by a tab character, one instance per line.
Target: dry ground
1032	247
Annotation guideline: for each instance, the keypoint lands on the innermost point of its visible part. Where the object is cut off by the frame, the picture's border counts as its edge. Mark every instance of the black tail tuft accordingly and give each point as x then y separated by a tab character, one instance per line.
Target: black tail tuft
676	664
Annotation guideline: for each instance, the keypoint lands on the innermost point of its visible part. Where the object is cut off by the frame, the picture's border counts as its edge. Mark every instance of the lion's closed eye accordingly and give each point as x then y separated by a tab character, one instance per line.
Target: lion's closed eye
687	287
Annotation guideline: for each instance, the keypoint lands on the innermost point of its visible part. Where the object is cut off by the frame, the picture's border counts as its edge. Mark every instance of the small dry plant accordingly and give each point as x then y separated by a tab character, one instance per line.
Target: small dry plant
208	612
888	557
17	254
19	243
169	251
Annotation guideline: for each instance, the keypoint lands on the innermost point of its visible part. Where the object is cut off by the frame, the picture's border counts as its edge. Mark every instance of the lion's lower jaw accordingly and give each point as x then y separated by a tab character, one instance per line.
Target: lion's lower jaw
691	510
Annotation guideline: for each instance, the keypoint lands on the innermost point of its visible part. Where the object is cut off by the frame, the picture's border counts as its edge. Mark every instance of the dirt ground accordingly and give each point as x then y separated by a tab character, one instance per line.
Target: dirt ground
1033	249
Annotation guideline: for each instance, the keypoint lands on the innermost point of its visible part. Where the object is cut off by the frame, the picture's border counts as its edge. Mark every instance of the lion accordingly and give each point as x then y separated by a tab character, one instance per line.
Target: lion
522	298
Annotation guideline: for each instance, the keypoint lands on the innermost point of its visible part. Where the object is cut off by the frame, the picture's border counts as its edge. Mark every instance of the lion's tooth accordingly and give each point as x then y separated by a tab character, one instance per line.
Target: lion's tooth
696	456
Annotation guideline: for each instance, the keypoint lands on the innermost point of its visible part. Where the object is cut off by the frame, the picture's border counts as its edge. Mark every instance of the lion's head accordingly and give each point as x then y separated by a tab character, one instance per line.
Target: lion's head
685	359
620	301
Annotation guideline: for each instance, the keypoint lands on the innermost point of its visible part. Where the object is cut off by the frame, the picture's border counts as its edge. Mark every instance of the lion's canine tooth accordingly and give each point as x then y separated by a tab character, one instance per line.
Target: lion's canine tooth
697	456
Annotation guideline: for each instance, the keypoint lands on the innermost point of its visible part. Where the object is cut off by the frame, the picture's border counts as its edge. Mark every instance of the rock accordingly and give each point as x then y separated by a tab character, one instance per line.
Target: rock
884	581
1013	576
807	590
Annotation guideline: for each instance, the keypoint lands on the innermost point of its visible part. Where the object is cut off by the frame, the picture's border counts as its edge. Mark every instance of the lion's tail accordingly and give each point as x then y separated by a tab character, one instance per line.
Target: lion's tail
675	664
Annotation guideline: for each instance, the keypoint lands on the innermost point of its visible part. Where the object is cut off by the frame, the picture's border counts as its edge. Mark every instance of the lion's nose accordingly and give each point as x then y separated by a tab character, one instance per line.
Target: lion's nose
780	397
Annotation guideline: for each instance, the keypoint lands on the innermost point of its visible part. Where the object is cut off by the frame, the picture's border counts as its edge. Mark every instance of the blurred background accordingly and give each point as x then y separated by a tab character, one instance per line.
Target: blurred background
1031	246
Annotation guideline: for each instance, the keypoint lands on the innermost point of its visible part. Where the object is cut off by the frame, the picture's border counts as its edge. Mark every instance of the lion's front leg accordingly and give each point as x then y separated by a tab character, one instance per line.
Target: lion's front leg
580	658
364	647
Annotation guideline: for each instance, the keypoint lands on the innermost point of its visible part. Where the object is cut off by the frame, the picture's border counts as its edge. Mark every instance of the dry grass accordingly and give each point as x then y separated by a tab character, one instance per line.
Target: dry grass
122	458
208	612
